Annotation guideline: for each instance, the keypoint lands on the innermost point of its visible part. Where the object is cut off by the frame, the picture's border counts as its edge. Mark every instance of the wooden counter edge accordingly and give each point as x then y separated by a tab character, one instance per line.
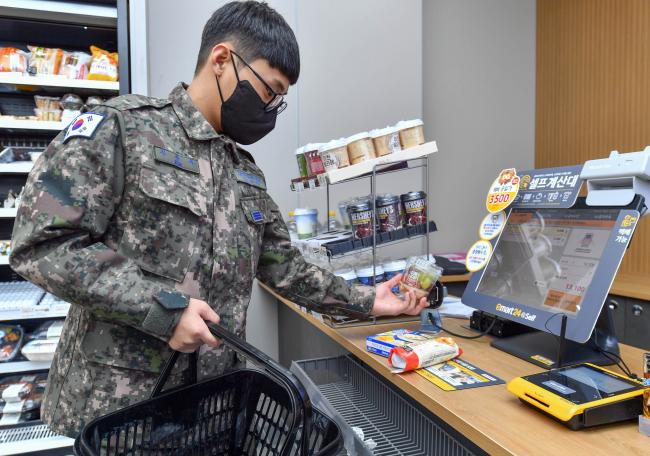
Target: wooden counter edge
480	439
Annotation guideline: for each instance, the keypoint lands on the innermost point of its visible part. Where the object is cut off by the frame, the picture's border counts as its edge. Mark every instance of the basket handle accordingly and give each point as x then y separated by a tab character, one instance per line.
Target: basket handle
299	396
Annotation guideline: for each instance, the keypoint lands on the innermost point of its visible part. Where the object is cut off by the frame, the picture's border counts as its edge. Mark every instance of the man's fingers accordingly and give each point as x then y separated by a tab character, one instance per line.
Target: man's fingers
394	281
208	339
208	314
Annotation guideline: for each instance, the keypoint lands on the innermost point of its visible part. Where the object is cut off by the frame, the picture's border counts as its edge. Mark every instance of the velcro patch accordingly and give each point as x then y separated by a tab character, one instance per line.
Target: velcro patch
84	125
250	179
182	161
257	216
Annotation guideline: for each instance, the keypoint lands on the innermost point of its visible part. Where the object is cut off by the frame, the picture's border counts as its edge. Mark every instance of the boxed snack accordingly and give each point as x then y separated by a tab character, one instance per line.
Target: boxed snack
12	59
10	339
381	344
44	60
21	397
423	354
50	329
41	350
103	66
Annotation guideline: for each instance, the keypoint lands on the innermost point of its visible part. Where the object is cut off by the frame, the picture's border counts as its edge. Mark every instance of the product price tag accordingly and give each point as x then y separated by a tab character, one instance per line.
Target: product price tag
478	255
503	191
492	225
299	186
312	184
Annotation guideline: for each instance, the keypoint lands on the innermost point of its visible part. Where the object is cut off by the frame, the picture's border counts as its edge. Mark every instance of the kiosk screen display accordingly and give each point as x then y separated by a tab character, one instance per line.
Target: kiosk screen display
547	258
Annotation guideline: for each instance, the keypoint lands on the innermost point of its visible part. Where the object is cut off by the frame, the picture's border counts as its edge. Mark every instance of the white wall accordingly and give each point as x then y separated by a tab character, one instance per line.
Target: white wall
479	104
352	79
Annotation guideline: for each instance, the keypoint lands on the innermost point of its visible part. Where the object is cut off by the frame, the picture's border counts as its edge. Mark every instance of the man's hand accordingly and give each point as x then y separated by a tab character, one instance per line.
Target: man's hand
192	331
388	304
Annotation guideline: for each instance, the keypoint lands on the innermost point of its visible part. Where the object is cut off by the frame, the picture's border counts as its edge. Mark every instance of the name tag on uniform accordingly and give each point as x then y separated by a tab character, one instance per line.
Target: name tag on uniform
250	179
182	161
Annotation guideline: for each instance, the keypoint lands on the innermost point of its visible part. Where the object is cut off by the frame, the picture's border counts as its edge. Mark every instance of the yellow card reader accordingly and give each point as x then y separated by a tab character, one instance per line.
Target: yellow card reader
581	396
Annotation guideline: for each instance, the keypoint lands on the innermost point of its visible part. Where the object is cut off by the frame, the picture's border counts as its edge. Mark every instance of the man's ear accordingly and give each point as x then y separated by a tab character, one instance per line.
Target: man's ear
219	57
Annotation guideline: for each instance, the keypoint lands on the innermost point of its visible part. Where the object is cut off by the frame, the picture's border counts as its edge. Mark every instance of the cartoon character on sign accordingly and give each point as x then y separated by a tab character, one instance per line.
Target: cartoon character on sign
506	176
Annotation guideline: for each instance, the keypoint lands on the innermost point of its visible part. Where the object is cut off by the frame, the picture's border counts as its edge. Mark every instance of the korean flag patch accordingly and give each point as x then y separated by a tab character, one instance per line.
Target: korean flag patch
84	125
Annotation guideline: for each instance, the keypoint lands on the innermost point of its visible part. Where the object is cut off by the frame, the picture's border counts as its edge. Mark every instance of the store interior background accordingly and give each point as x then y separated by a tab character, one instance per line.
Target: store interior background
466	67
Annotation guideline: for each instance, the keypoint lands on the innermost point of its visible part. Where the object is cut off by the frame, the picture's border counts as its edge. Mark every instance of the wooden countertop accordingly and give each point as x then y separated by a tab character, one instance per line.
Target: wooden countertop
632	286
455	278
490	416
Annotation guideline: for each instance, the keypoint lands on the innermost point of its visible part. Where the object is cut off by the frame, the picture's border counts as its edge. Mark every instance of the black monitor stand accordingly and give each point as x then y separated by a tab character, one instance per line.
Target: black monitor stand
550	351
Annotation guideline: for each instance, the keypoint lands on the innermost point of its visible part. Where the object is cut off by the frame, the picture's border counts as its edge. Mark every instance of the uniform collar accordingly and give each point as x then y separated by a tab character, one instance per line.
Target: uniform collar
195	125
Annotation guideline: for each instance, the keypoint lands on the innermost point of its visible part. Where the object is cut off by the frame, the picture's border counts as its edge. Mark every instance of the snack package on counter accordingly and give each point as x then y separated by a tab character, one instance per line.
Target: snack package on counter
12	59
103	66
44	61
423	354
381	344
51	329
75	65
40	350
10	339
21	397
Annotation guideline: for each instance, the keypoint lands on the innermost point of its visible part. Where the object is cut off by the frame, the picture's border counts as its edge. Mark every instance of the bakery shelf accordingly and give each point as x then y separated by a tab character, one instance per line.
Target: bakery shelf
8	212
59	11
35	125
19	167
14	367
57	81
31	439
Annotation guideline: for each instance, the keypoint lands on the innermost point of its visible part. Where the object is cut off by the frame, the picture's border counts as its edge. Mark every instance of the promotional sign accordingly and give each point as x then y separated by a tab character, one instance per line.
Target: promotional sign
492	225
550	187
458	374
478	255
503	191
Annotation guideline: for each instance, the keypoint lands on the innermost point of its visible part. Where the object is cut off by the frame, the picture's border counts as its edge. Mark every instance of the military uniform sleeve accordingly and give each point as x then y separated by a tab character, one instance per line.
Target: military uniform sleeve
283	267
67	203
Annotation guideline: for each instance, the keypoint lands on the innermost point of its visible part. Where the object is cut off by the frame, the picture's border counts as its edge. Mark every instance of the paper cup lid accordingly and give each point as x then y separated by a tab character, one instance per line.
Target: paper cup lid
382	132
358	136
366	271
403	124
395	265
347	274
305	211
333	144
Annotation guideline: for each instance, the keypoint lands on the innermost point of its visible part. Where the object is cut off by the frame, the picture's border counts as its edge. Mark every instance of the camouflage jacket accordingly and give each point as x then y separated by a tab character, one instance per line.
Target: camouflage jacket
131	211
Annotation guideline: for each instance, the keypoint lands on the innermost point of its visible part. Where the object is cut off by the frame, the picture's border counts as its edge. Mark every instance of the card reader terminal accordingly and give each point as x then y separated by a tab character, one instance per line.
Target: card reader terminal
581	396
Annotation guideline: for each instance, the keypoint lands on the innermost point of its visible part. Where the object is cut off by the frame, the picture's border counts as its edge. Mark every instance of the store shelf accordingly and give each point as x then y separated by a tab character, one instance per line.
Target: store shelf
23	366
31	439
344	248
8	212
58	11
20	167
57	81
4	259
33	125
12	315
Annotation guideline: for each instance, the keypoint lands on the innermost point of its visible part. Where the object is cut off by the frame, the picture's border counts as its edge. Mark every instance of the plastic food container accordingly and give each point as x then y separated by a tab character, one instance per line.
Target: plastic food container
306	222
411	133
345	217
389	212
21	397
360	148
420	276
40	350
361	218
392	268
334	154
303	169
386	141
415	207
365	275
10	339
348	274
314	162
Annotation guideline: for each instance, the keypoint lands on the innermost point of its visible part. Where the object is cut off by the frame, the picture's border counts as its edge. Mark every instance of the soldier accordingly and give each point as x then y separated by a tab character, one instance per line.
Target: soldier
150	220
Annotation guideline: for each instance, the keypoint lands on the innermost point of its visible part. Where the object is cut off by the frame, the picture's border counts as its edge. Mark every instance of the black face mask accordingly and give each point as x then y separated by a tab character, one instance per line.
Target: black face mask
244	116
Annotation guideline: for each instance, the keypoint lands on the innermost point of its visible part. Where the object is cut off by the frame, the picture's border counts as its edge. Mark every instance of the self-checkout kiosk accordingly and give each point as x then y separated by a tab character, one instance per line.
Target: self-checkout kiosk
551	268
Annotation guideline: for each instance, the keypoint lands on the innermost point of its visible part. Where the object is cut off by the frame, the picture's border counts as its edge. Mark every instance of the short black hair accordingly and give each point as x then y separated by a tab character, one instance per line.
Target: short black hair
257	31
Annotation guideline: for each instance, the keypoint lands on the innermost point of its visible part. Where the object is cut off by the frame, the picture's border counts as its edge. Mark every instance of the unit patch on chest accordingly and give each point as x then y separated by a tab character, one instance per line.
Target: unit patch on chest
182	161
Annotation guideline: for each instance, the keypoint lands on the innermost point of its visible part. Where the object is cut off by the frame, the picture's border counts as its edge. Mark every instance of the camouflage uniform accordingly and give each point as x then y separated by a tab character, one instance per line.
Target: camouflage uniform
154	208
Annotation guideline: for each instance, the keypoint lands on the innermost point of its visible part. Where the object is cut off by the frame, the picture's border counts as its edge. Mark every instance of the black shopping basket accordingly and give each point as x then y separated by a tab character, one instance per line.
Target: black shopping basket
244	412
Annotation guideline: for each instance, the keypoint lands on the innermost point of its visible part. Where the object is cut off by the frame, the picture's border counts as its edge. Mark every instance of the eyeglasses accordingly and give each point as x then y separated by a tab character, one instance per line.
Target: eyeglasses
277	99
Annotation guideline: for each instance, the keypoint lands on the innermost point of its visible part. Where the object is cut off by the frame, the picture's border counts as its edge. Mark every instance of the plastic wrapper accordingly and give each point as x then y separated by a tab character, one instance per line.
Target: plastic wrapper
40	350
21	397
12	59
75	65
423	354
420	276
10	339
71	101
93	101
47	108
103	66
44	61
50	329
